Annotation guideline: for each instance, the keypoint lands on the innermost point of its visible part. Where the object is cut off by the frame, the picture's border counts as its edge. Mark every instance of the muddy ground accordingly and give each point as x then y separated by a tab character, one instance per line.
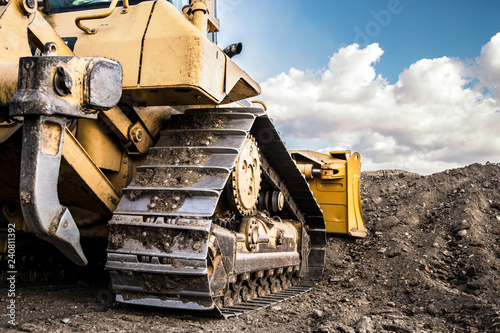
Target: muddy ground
430	264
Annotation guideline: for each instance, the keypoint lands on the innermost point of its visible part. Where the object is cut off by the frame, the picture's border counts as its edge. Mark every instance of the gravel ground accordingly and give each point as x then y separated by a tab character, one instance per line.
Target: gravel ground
429	264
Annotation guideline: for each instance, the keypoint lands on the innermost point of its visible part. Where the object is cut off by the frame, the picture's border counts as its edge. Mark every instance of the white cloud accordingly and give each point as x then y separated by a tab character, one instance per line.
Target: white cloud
488	66
428	121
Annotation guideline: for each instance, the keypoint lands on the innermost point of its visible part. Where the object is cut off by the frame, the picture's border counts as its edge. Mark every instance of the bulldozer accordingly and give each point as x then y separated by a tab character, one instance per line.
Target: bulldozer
118	123
127	132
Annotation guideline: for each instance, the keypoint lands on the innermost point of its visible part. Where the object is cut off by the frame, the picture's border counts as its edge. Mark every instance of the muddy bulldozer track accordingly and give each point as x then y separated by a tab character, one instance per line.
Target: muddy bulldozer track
187	233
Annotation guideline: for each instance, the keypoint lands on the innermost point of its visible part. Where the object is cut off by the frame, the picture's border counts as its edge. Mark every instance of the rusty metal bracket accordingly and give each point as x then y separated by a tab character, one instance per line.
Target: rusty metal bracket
66	85
52	89
134	137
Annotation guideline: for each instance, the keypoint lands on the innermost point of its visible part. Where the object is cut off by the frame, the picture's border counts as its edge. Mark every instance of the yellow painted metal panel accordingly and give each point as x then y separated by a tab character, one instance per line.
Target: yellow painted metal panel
238	85
336	185
175	52
166	60
43	33
14	36
8	82
119	36
78	159
104	151
356	226
14	44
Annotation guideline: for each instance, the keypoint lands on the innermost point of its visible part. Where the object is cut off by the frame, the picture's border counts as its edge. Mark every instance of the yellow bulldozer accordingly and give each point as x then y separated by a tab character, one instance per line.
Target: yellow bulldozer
115	126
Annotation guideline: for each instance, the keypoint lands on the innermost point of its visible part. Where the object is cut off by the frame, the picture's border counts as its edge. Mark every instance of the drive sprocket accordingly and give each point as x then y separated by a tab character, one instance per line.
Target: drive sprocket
246	178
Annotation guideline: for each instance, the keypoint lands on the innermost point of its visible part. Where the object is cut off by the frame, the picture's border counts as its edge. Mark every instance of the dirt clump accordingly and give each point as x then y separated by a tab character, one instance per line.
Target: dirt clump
167	202
165	240
200	121
164	284
195	139
429	264
179	156
169	177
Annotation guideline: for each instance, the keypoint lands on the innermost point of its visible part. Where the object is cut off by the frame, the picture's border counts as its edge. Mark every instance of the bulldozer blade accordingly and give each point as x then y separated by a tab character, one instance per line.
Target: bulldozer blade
334	179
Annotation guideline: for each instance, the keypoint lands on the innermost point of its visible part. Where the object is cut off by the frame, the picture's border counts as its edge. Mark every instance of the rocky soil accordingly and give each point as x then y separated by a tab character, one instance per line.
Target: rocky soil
430	264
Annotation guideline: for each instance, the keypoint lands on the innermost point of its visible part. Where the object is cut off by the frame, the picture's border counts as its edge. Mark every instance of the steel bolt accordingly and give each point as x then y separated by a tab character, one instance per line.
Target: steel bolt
62	82
136	134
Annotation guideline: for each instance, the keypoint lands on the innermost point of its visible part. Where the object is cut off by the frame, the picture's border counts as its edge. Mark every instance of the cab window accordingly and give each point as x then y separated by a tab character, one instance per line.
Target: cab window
73	5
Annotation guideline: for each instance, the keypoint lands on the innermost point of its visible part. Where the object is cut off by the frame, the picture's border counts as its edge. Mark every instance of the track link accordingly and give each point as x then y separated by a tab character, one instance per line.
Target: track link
265	301
164	247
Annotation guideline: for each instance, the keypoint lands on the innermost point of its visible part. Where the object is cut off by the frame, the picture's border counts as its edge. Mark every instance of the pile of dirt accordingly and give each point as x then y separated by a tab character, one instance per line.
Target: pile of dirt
429	264
431	260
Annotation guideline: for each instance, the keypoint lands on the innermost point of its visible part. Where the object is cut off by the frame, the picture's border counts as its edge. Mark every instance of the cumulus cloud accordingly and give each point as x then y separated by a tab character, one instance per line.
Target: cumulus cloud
442	113
488	66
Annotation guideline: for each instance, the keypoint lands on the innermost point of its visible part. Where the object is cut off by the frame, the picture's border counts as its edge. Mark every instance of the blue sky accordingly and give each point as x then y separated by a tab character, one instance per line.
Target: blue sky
291	44
278	35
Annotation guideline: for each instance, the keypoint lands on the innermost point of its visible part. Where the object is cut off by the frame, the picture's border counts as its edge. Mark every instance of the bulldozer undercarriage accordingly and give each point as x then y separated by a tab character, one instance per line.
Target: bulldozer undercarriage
198	227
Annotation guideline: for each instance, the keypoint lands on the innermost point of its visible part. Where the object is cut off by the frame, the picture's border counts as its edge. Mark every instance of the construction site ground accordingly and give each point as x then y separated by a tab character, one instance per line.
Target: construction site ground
429	264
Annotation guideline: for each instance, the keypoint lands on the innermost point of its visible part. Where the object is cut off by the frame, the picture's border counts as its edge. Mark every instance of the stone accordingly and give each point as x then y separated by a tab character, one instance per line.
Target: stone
335	280
462	225
345	329
447	253
471	271
393	252
496	230
387	223
324	329
364	325
65	321
424	268
318	314
431	309
462	233
475	285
